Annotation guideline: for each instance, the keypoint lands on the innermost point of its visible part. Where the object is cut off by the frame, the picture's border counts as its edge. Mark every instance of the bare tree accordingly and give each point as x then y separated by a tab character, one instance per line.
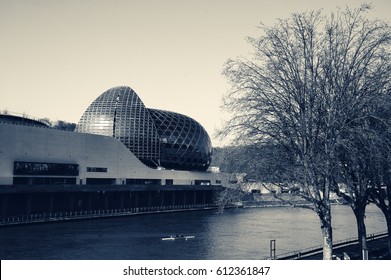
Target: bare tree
230	197
310	76
63	125
357	155
380	190
381	195
259	162
365	46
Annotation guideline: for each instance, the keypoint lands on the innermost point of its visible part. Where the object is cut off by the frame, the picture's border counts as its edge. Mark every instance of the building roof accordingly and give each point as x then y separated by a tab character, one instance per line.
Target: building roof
22	120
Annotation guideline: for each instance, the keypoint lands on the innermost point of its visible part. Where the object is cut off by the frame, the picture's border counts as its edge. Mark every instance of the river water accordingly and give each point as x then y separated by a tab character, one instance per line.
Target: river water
235	234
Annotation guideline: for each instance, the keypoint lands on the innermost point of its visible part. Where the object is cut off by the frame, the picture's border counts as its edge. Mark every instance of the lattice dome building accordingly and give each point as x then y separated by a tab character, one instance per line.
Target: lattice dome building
157	138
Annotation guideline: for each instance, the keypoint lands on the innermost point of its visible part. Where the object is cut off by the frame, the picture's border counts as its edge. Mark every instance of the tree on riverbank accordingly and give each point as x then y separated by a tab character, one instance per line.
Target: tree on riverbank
266	163
381	196
311	76
380	191
363	52
358	158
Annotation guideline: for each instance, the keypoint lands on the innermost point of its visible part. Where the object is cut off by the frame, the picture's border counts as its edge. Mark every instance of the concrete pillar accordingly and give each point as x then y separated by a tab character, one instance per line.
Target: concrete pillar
89	201
51	203
161	198
4	205
149	198
71	201
28	204
173	198
106	200
136	199
121	200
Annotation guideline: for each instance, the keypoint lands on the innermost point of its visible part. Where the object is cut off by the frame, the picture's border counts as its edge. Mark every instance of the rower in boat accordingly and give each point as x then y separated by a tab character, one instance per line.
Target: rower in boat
179	237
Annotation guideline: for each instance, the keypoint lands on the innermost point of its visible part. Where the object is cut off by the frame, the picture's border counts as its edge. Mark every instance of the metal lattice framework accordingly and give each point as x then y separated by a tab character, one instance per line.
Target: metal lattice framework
184	142
156	137
120	113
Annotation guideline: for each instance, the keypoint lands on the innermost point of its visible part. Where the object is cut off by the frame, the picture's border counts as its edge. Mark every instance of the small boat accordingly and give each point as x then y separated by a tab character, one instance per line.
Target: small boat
178	237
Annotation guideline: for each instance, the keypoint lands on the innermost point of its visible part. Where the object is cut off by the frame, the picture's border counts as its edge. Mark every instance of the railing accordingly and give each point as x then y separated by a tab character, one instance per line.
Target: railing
308	252
24	116
102	213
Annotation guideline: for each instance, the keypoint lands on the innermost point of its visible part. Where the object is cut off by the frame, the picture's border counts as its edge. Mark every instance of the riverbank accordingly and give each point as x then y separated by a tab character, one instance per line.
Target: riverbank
377	250
345	250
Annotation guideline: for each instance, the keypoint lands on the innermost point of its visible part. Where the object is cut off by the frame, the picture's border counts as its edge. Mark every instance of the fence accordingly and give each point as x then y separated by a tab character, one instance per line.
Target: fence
89	214
311	251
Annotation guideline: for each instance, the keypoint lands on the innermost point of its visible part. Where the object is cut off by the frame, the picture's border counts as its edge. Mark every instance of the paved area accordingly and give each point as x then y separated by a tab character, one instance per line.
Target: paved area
377	250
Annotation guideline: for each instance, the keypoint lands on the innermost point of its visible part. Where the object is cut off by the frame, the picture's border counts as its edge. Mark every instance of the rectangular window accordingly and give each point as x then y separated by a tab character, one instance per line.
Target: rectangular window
169	182
96	169
45	168
202	182
143	181
100	181
44	181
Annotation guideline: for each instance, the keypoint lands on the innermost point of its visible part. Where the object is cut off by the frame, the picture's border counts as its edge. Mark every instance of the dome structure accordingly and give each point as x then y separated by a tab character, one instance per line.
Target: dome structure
157	138
184	142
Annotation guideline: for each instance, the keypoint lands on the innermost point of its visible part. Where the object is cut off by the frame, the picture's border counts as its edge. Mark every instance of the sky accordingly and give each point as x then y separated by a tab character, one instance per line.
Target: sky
57	56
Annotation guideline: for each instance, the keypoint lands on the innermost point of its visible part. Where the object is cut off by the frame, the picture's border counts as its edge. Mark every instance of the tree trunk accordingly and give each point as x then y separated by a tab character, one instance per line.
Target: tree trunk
382	199
362	232
327	243
387	215
388	219
327	233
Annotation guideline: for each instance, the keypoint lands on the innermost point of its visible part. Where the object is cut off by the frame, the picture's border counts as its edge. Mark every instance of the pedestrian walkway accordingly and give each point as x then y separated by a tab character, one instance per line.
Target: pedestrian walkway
347	249
377	249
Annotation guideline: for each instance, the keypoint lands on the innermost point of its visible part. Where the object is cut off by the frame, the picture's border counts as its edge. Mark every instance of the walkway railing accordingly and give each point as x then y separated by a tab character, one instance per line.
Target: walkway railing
89	214
24	116
311	251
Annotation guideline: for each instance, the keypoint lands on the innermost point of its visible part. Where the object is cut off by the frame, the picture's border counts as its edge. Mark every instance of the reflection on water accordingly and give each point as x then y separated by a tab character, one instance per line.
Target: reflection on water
235	234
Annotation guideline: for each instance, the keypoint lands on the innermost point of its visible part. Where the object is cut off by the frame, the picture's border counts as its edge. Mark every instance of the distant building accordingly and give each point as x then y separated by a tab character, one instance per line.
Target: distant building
118	141
123	159
157	138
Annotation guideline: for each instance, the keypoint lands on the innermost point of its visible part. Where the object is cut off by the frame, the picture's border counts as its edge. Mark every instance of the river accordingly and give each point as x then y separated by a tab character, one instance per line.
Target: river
234	234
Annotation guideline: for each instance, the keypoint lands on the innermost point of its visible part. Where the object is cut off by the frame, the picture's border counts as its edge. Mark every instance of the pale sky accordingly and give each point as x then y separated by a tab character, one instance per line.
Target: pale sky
57	56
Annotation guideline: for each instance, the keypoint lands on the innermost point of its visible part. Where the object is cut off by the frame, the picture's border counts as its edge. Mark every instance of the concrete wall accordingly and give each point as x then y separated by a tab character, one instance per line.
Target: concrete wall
34	144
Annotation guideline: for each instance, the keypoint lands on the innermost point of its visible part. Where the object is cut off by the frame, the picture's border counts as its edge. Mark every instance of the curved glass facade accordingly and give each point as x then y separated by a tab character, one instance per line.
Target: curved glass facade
120	113
184	142
156	137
